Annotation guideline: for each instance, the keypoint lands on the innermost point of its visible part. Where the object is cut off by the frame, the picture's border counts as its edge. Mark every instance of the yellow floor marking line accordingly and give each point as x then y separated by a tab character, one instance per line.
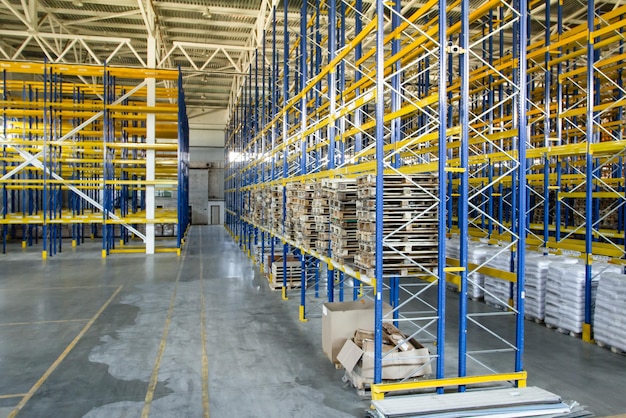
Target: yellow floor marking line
58	321
15	395
154	378
64	354
58	288
205	357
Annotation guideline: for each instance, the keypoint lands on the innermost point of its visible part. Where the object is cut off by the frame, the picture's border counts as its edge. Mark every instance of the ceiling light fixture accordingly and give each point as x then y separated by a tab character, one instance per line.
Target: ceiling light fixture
203	96
206	13
77	3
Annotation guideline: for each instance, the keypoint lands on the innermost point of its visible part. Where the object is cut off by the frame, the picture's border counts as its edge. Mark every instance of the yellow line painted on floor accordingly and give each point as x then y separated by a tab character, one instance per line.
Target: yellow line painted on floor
15	395
154	378
60	321
64	354
205	357
57	288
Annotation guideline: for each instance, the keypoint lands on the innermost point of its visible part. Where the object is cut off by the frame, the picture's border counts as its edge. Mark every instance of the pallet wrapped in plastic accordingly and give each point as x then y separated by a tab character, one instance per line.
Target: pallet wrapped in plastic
565	293
609	320
536	276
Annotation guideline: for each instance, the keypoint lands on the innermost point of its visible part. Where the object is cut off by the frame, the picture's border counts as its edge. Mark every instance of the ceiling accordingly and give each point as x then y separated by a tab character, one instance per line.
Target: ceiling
212	41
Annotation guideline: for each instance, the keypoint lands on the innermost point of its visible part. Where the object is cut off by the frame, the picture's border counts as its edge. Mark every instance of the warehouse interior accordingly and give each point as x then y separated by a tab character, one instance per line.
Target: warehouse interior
312	208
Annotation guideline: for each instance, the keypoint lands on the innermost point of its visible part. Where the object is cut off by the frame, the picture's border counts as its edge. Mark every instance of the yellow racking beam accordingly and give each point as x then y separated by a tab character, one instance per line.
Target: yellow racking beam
379	390
87	70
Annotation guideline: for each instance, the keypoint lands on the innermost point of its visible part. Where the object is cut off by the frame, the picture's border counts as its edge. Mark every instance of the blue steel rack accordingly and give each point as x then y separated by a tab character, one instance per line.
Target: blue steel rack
72	155
389	118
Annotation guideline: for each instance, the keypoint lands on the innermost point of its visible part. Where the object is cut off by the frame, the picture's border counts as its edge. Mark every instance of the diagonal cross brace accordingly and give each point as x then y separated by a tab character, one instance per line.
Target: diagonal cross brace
31	158
86	197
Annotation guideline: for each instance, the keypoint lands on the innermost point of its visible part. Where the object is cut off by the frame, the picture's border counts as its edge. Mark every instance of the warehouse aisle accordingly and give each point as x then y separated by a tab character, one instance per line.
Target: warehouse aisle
202	334
131	336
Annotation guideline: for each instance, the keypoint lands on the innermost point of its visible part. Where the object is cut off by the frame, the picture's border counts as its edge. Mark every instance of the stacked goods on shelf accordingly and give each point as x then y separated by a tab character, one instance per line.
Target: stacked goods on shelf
304	220
476	253
497	291
538	210
536	275
609	320
342	195
278	272
256	207
608	216
410	221
565	293
274	200
291	218
321	212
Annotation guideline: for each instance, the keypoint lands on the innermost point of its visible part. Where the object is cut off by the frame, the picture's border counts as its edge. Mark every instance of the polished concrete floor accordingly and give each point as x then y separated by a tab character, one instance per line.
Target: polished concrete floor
200	335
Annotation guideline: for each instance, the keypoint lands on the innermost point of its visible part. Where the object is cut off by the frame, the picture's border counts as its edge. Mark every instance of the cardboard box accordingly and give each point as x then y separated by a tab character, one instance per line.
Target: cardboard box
401	363
341	319
397	364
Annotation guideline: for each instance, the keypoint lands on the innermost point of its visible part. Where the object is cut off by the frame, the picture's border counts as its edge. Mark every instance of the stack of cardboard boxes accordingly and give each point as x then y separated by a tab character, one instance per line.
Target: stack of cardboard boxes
348	342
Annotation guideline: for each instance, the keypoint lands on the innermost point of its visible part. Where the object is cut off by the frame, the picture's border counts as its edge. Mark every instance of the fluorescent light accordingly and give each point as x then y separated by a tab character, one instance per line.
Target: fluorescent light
206	13
77	3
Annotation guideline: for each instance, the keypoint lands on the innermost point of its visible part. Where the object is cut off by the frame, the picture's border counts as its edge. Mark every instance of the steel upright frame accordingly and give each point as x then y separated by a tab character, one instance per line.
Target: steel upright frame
326	131
62	135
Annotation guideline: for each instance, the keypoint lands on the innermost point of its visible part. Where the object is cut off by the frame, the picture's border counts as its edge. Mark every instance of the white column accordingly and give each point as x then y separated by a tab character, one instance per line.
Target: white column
150	139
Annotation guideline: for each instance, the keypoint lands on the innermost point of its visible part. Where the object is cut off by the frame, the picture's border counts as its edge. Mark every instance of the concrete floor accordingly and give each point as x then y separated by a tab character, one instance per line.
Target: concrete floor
200	334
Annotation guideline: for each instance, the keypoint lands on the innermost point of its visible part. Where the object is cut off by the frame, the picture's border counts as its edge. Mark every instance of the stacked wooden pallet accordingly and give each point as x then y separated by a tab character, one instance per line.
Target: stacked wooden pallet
274	201
291	219
608	214
409	225
321	212
304	220
257	203
293	273
342	195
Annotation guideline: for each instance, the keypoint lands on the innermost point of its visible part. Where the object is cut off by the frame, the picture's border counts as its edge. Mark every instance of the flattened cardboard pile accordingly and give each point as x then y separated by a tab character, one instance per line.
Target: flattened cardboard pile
402	357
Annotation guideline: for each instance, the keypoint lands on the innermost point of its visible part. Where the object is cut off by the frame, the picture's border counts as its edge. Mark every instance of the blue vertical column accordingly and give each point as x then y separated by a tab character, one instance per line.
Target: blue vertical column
380	154
591	138
464	187
332	98
396	125
44	201
559	126
443	193
285	132
263	151
5	198
358	116
547	129
303	141
522	128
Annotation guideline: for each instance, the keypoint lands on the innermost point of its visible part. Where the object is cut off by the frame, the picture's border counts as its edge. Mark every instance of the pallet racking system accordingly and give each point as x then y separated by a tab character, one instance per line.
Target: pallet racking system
85	149
518	116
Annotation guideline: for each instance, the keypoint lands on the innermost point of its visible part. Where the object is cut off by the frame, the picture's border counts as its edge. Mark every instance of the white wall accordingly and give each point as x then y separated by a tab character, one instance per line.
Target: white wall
206	154
206	129
206	145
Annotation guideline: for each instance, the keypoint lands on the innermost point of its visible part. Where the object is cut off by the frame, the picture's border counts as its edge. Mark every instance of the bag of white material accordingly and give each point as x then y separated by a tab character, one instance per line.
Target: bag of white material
536	269
565	294
609	320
